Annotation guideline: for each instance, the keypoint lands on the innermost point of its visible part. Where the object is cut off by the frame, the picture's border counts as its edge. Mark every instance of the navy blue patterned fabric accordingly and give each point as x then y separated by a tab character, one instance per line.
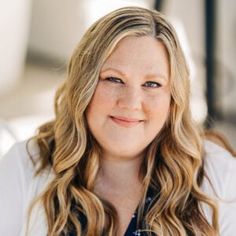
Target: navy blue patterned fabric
132	229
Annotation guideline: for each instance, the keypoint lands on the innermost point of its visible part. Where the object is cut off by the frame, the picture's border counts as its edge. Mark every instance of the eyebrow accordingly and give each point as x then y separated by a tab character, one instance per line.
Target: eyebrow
125	75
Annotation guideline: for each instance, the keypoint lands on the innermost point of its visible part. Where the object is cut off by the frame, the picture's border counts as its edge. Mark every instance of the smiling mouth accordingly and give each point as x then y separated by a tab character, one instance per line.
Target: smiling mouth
125	122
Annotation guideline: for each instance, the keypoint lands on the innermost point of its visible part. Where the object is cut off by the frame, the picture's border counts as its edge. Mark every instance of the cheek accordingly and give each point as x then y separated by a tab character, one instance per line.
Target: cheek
103	97
158	106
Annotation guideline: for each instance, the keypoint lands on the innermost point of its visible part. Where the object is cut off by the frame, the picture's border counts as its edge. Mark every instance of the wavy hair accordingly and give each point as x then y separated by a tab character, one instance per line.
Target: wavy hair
173	166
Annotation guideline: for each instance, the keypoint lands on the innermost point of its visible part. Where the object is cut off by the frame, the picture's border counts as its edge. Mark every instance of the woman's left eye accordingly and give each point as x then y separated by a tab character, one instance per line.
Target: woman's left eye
152	84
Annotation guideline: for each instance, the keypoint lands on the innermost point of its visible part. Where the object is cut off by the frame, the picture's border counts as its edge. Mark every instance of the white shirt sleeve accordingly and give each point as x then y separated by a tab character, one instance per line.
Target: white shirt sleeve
220	167
16	171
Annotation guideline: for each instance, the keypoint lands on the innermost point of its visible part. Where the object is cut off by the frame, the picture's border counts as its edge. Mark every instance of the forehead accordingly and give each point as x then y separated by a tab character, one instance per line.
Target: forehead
142	54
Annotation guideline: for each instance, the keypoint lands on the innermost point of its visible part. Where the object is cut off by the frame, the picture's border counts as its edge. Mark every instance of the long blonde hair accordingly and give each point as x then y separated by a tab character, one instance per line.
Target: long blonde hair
173	166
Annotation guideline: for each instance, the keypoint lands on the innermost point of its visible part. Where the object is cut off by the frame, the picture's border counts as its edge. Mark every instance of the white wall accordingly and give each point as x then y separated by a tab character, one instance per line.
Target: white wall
14	27
57	25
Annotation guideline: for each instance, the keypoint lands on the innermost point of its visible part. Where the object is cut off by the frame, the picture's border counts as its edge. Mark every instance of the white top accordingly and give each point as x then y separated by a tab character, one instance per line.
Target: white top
18	187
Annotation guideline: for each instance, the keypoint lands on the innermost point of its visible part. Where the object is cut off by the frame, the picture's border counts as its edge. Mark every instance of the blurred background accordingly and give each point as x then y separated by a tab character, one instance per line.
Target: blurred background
38	38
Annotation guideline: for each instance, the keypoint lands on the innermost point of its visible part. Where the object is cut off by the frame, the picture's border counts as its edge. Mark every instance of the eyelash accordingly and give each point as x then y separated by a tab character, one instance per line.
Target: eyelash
157	85
114	80
117	80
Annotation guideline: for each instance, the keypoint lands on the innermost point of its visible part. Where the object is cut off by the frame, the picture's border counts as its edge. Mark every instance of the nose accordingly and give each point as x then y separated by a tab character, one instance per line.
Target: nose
130	98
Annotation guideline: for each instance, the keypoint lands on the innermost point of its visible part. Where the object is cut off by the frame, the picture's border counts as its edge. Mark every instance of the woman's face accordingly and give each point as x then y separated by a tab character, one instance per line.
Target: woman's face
132	99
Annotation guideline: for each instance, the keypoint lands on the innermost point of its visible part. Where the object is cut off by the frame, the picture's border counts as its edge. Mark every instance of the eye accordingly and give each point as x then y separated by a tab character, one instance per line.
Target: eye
114	80
152	84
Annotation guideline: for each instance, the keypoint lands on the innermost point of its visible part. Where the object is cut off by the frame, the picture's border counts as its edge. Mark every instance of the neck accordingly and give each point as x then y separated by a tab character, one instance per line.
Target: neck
120	183
119	173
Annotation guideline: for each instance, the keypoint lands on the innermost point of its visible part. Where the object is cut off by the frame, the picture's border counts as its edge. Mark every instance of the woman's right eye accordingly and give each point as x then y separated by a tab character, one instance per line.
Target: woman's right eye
114	80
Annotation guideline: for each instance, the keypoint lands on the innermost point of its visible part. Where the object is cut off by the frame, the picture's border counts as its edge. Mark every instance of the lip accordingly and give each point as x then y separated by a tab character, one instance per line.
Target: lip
125	121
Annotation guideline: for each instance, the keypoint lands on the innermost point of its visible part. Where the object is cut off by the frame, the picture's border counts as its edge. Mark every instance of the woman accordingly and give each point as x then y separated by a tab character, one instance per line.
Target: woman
123	155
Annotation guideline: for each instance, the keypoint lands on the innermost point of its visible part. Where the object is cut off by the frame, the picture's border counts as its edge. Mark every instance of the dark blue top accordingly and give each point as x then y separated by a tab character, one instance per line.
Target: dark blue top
132	229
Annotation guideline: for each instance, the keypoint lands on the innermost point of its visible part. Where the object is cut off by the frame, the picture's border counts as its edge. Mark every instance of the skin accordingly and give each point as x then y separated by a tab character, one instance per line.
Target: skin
129	107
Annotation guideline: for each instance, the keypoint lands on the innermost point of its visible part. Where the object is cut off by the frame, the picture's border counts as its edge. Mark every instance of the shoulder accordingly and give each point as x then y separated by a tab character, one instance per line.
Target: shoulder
19	186
16	173
220	168
219	183
18	167
17	160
